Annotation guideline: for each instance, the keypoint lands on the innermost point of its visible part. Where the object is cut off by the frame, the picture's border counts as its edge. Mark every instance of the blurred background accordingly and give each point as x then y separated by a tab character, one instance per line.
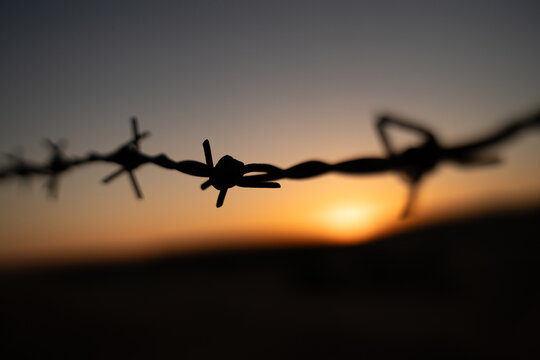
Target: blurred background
276	82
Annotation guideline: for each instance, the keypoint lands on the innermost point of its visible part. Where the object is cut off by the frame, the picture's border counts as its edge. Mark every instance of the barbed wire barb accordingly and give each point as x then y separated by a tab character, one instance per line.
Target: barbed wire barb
230	172
58	163
129	157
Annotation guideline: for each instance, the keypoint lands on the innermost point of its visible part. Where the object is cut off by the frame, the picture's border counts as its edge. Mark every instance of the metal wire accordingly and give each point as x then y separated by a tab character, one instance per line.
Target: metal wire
413	164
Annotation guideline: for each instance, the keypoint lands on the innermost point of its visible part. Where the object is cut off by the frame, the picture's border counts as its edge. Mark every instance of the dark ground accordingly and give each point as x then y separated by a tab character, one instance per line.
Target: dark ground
466	289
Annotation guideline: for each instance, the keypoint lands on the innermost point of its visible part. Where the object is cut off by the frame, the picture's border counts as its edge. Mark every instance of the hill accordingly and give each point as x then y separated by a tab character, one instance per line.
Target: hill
460	289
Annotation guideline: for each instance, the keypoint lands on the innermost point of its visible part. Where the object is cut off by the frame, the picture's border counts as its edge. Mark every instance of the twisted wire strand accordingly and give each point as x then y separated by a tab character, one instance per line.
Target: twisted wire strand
413	163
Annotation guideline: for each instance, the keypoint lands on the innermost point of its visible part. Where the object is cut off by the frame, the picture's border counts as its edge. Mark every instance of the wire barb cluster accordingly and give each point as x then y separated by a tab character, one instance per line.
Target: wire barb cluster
413	163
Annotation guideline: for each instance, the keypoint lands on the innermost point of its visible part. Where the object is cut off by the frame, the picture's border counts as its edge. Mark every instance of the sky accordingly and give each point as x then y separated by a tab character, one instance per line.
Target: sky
276	82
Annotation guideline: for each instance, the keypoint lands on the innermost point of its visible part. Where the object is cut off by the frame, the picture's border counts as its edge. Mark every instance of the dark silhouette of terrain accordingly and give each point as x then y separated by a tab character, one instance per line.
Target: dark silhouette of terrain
461	289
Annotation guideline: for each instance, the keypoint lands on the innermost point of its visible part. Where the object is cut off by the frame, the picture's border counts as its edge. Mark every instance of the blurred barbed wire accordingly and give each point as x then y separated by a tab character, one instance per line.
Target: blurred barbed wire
413	164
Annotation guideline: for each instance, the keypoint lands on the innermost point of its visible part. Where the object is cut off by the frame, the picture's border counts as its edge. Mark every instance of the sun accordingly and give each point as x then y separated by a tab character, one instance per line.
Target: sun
349	222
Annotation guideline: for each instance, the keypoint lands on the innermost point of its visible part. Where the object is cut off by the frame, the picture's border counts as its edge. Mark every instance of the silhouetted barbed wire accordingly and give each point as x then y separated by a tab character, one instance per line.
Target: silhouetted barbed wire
413	163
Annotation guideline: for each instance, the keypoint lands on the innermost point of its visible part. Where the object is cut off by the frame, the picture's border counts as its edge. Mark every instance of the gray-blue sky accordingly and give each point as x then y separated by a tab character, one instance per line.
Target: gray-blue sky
63	61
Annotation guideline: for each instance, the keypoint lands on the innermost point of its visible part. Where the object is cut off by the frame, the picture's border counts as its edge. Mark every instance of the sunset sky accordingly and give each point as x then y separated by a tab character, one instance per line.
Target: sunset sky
276	82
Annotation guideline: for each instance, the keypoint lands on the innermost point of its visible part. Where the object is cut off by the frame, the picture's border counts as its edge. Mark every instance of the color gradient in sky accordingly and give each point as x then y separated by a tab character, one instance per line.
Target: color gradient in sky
277	82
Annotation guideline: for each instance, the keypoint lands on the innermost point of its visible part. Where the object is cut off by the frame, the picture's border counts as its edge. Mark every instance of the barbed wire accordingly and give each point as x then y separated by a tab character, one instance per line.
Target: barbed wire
413	163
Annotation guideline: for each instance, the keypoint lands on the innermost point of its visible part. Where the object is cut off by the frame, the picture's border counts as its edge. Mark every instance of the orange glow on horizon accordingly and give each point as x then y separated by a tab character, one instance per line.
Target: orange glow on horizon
346	222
